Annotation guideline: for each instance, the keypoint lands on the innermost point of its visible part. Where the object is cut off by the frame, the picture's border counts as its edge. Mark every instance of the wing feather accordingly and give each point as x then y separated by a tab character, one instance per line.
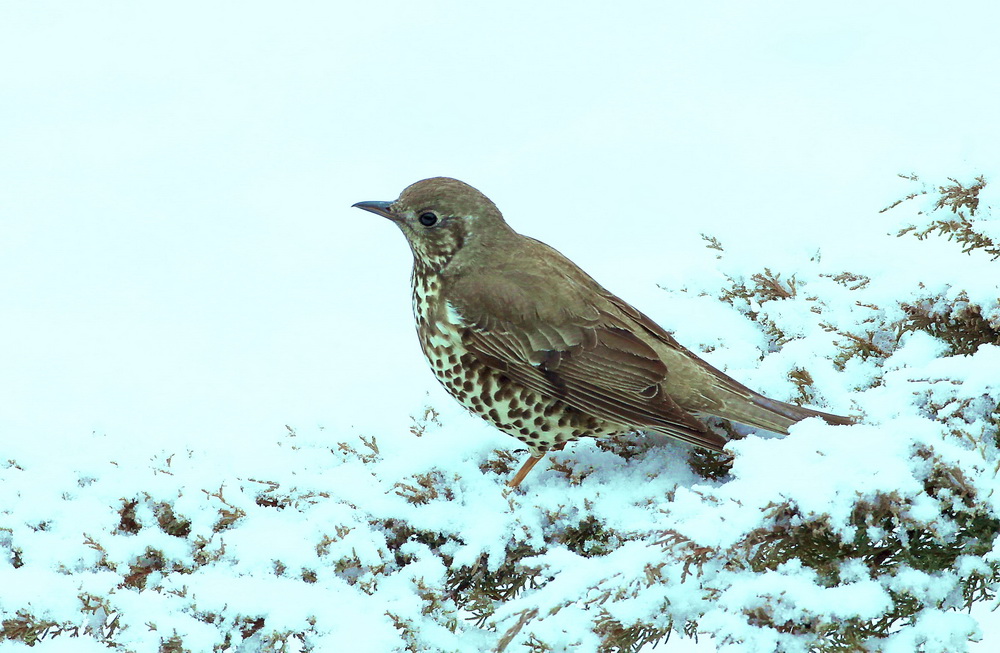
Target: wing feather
553	329
564	346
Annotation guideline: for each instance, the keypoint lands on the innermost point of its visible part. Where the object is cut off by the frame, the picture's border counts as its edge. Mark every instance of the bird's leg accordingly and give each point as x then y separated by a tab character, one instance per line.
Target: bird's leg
529	464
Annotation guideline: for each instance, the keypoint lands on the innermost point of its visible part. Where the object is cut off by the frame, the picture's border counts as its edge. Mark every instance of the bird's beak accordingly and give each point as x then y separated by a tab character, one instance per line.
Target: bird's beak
379	208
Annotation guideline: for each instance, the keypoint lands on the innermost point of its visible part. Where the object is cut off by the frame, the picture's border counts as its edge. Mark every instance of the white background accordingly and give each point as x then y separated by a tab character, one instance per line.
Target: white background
178	252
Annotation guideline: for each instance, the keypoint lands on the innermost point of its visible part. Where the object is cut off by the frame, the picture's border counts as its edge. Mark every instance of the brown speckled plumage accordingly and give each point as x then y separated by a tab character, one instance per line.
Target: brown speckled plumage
527	340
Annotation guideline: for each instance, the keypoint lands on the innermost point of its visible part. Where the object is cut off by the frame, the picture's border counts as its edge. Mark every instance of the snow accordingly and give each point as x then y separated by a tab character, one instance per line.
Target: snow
185	277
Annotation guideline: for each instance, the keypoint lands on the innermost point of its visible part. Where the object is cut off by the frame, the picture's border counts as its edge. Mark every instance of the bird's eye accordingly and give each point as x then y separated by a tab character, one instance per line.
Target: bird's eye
428	219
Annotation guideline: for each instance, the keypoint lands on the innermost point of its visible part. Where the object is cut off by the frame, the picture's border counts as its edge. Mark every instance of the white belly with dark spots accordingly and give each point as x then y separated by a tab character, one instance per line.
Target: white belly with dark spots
537	420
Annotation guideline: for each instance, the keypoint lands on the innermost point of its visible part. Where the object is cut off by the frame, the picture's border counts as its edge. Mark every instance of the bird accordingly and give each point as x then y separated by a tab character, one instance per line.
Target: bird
524	338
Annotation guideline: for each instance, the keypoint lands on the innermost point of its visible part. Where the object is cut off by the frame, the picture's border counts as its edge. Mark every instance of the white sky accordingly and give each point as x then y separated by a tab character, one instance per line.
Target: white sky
179	256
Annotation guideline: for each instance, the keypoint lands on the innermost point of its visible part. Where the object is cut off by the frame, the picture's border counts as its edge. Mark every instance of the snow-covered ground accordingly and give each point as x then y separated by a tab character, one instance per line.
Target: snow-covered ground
184	277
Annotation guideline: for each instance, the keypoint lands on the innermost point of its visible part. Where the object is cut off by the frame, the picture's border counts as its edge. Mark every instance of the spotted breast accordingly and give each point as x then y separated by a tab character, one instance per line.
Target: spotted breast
541	422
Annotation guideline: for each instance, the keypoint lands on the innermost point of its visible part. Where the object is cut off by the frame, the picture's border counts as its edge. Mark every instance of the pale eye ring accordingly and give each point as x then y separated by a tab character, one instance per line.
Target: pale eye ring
428	219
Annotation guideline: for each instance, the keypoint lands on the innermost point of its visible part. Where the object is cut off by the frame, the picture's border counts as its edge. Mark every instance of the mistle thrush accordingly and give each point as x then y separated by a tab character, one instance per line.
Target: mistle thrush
525	339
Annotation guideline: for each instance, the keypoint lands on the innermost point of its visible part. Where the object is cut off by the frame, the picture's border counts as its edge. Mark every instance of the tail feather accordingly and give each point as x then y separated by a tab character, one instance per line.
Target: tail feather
773	415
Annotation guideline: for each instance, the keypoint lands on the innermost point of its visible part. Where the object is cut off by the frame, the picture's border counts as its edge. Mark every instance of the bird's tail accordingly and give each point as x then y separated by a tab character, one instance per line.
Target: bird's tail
776	416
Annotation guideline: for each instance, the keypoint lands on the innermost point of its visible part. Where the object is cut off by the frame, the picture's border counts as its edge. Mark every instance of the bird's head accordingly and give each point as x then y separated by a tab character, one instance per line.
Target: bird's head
440	216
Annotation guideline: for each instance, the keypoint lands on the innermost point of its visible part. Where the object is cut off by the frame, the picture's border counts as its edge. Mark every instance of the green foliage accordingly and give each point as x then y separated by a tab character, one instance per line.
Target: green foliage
479	590
962	201
746	295
714	465
886	537
958	322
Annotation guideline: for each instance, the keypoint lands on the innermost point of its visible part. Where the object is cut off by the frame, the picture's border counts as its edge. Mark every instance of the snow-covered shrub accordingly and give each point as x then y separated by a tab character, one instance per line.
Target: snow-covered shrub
876	536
